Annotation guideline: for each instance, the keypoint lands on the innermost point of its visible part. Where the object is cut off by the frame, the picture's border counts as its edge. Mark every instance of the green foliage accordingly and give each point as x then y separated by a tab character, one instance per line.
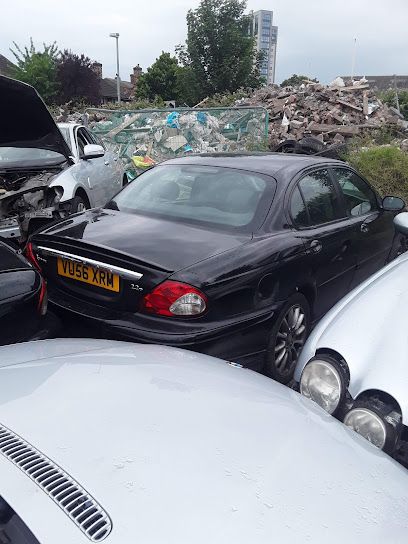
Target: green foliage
77	80
389	97
188	90
38	68
294	80
160	80
386	167
219	49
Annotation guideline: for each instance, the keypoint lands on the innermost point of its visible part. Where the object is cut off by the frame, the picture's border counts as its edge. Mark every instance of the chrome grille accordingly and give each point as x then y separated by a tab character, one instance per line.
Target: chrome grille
83	509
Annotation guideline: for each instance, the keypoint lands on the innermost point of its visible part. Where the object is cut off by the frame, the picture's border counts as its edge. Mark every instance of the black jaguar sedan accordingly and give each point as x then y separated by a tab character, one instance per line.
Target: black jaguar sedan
233	256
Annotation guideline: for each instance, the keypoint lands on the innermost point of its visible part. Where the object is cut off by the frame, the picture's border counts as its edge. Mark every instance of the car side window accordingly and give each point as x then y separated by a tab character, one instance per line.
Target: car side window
82	140
360	199
298	210
319	195
92	137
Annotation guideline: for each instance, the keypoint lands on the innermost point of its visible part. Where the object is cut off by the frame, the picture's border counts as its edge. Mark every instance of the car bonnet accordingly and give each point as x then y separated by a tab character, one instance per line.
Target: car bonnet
25	119
179	447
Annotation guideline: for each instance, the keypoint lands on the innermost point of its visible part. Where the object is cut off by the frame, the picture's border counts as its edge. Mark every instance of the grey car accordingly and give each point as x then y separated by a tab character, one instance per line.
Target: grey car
114	442
355	362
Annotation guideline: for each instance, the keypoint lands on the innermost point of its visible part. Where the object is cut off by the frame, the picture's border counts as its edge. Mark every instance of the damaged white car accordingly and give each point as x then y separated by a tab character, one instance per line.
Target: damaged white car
42	178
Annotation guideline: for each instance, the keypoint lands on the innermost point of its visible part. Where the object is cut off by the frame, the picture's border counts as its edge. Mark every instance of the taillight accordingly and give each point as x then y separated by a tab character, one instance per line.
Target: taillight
172	298
29	253
43	298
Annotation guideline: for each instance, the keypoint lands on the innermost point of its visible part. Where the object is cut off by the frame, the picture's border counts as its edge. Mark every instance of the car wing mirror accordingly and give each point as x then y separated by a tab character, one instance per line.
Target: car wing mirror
401	223
93	151
393	204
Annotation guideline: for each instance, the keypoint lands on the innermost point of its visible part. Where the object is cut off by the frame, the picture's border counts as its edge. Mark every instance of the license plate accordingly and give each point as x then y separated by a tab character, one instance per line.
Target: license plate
88	274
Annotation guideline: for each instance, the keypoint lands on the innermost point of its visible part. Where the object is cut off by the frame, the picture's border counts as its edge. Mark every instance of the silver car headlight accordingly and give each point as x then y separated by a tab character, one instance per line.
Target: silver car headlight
369	424
322	383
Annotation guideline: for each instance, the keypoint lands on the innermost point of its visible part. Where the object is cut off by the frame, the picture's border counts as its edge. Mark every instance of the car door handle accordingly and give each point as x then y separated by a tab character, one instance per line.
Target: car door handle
315	246
364	227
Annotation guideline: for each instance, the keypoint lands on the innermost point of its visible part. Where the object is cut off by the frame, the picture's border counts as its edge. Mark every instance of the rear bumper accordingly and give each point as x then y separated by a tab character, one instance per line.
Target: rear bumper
242	339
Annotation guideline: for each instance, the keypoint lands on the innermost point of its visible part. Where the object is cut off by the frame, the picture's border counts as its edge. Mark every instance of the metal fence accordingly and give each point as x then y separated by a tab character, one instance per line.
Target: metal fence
145	137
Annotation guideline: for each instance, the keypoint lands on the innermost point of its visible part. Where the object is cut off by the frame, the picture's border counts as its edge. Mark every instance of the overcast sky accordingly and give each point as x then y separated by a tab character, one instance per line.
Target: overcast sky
315	36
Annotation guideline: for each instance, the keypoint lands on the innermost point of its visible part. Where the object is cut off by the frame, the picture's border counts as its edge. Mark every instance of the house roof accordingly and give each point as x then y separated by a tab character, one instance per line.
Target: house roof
108	88
6	66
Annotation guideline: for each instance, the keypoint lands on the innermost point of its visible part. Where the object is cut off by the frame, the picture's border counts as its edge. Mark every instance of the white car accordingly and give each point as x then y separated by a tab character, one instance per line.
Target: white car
43	178
355	362
92	181
122	443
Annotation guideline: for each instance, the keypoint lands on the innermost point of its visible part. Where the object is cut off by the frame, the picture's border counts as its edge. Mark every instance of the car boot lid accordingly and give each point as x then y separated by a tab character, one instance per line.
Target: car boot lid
26	121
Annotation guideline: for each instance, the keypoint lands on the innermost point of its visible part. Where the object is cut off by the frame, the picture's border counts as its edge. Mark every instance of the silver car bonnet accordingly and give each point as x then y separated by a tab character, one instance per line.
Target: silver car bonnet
179	447
369	328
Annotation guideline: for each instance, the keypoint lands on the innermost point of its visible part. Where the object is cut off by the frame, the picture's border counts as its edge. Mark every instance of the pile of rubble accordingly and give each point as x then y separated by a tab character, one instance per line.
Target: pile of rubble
329	113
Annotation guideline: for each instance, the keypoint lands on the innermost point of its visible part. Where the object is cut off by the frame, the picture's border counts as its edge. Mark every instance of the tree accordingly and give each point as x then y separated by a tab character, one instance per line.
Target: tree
294	80
38	68
77	80
219	49
160	80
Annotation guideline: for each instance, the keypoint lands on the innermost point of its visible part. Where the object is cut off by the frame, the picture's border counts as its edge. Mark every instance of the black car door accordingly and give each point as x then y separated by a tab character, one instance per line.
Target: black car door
317	211
374	229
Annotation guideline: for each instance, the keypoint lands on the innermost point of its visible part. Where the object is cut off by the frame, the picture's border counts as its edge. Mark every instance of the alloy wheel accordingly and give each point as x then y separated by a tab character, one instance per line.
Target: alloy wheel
290	339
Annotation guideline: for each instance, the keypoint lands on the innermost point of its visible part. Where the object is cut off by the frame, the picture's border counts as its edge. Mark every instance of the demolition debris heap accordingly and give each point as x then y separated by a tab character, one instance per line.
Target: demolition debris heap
330	113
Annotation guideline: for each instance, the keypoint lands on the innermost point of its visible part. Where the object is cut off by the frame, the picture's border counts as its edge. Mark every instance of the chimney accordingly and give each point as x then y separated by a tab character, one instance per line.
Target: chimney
137	72
97	68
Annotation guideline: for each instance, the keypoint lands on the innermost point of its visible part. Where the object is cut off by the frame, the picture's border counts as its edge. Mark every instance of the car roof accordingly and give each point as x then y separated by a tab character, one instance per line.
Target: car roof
277	165
217	453
68	125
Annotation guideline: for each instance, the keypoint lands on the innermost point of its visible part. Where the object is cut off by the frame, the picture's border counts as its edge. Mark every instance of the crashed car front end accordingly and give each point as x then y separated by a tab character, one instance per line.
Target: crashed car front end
33	153
27	201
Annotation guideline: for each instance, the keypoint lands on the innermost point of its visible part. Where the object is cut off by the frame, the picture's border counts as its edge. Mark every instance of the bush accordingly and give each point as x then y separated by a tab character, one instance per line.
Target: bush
386	167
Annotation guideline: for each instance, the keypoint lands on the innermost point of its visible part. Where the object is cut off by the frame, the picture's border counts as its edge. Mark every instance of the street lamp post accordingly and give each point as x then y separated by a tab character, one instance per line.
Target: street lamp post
116	36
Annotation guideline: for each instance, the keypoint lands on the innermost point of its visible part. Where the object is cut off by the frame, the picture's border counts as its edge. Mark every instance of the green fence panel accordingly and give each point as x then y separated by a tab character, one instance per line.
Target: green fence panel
143	137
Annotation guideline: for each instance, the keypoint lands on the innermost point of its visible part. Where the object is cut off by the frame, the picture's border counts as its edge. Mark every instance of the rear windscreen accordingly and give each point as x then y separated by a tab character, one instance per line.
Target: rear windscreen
12	528
220	197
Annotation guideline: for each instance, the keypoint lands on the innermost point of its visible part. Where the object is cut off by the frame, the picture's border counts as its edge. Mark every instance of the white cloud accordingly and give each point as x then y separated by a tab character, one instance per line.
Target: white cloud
315	36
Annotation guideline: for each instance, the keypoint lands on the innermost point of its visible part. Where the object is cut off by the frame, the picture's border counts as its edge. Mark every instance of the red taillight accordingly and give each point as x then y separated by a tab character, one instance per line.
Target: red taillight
172	298
29	253
43	298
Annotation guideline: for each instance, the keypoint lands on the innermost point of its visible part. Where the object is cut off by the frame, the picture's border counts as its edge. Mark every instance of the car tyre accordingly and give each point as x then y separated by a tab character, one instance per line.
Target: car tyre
287	338
78	204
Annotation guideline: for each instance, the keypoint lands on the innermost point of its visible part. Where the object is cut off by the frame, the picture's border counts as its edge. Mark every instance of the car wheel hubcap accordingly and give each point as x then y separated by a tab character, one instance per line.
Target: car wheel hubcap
290	339
81	207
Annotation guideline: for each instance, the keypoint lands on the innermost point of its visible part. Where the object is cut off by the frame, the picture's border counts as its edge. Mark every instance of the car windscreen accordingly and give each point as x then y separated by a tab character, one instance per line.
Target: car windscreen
28	155
215	196
12	528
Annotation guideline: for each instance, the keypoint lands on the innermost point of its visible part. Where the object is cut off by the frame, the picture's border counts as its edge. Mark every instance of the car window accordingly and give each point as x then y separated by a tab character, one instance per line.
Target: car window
358	196
298	210
320	196
212	195
92	138
82	140
13	530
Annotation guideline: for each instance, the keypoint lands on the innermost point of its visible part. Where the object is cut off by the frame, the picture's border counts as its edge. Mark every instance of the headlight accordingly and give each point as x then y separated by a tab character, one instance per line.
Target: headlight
368	424
321	382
